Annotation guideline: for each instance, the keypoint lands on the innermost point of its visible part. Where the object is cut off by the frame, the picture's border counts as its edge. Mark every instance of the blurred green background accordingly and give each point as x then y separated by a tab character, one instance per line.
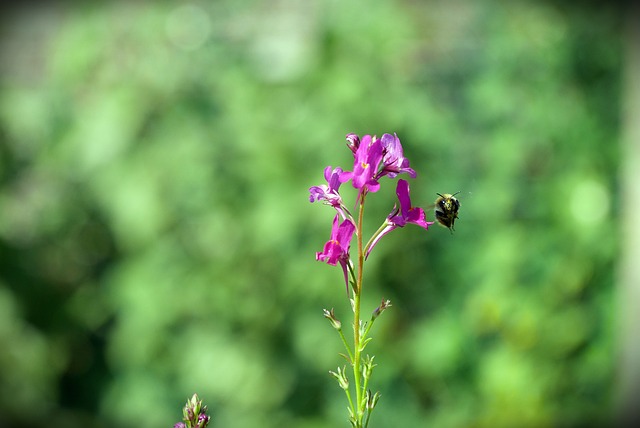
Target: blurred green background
156	237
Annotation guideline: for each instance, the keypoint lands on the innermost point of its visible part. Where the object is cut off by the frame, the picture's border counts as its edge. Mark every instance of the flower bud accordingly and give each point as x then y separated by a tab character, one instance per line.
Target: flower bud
203	420
331	317
367	366
194	414
353	142
372	400
384	305
341	376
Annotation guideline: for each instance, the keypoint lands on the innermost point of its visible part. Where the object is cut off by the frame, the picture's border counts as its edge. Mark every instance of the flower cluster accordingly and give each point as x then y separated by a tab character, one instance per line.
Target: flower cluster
374	158
194	414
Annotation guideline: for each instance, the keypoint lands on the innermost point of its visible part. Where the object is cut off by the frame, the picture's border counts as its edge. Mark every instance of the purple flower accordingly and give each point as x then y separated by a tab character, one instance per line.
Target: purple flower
365	166
400	217
329	192
336	250
407	213
393	160
180	425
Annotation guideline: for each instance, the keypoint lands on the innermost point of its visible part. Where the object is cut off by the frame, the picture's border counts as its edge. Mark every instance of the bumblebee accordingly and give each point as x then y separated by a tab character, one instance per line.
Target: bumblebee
446	210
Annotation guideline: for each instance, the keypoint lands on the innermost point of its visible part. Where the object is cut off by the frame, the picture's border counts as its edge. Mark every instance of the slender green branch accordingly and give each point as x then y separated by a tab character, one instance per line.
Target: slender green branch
366	383
366	423
352	275
353	409
375	236
369	325
346	345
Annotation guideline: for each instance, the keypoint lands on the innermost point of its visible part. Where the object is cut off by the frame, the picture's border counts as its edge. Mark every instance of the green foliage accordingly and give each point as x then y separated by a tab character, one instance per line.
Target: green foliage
156	237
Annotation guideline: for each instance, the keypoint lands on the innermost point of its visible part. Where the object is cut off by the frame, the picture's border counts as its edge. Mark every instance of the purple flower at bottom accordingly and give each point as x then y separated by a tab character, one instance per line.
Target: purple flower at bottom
336	250
400	217
194	414
203	420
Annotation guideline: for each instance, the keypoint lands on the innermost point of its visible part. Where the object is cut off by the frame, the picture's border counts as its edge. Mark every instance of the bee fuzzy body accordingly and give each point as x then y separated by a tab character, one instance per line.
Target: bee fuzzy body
446	210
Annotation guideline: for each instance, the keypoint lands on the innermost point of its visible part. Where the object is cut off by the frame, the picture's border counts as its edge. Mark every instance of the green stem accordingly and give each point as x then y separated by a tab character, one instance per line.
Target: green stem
346	345
375	235
353	408
366	424
357	373
369	325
